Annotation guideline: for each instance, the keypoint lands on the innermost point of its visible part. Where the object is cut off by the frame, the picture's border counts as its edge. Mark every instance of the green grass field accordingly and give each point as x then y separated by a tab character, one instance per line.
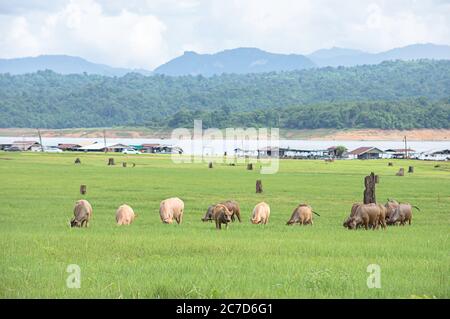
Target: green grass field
151	260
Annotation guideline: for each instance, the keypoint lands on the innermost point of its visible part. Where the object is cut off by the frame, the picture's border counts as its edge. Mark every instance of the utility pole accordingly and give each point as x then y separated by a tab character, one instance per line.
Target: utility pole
40	140
104	140
406	149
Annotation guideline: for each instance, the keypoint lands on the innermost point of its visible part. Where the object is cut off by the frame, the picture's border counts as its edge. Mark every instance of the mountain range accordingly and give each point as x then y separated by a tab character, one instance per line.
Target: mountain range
239	61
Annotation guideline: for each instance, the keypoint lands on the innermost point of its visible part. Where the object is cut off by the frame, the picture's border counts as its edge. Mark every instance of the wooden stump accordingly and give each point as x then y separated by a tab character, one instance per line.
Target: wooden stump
83	189
77	161
377	179
249	166
210	165
111	161
369	191
411	169
401	172
259	186
124	164
390	164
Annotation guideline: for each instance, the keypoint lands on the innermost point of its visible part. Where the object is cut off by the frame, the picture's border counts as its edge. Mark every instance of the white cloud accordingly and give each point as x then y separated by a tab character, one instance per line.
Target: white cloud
82	29
146	33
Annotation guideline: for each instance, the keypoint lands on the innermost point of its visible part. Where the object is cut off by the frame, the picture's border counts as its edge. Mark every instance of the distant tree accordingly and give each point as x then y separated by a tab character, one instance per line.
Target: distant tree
340	150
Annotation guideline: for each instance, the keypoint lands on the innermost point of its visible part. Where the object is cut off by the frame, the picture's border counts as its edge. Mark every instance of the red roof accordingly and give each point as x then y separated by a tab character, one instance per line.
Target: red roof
361	150
68	145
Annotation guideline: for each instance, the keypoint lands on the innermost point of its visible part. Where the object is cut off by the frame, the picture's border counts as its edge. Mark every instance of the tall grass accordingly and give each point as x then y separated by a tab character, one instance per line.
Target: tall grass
193	260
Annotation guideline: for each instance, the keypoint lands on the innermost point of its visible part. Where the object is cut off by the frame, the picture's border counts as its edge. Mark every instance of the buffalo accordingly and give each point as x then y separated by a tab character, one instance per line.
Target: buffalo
170	209
261	214
82	214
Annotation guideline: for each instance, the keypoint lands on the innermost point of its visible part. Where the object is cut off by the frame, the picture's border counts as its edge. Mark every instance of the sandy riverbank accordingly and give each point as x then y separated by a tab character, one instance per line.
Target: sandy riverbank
317	134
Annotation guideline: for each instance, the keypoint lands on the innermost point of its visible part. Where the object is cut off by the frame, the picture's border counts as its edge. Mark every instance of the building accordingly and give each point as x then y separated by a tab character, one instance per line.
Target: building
365	153
69	147
161	149
100	147
150	148
435	155
4	146
399	153
27	146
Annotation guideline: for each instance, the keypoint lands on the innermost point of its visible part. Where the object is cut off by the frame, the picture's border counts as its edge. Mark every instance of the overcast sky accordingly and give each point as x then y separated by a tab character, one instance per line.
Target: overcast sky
146	33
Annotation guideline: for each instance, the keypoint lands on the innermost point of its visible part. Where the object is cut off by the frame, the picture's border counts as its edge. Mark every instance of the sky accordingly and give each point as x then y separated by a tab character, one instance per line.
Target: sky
147	33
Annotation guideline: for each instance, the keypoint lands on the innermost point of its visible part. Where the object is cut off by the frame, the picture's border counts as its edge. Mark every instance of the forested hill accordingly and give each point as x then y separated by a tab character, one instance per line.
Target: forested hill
388	95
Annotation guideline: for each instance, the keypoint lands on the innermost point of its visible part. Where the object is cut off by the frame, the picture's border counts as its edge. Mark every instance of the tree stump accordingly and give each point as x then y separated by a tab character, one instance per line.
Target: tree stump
111	161
77	160
83	189
250	166
369	191
390	164
401	172
411	169
259	186
210	165
124	164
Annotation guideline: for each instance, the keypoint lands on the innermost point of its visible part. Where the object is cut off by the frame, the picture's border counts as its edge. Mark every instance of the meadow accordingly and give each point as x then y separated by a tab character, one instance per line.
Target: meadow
149	259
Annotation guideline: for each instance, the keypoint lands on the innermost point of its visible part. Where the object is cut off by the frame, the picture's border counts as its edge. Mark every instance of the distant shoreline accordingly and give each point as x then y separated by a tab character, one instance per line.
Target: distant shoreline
314	134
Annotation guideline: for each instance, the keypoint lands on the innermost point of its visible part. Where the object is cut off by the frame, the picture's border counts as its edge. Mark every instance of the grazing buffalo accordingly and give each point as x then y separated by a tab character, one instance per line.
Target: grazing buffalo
352	214
368	215
302	215
402	214
391	205
234	208
231	205
82	213
261	214
125	215
221	215
170	209
209	214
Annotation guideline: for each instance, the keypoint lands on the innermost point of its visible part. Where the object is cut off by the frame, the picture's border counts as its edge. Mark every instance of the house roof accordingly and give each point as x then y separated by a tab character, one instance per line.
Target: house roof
68	145
25	142
100	146
400	150
364	149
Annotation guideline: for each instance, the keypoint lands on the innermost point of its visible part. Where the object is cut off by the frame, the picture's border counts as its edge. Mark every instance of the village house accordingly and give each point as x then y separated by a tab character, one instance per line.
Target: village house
27	146
399	153
100	147
365	153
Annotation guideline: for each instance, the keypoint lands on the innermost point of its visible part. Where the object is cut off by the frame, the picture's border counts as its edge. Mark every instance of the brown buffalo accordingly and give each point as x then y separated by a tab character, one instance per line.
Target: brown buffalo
231	205
367	215
352	214
170	209
221	215
209	214
125	215
234	208
261	214
402	214
302	215
391	205
82	214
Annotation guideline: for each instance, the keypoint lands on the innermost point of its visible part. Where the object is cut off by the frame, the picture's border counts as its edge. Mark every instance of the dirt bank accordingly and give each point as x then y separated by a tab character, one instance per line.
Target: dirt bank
318	134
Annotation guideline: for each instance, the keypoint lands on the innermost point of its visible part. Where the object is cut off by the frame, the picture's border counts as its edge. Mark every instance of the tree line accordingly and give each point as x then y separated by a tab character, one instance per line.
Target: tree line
394	94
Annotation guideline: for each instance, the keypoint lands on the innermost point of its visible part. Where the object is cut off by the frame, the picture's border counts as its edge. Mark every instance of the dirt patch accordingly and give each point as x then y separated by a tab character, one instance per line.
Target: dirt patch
317	134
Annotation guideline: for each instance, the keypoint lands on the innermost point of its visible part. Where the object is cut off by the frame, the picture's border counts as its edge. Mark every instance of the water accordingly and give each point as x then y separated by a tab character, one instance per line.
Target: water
218	147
